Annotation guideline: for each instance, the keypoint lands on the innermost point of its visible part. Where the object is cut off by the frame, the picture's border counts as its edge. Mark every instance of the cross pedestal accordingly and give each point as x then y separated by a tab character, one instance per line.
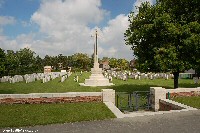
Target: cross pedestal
96	78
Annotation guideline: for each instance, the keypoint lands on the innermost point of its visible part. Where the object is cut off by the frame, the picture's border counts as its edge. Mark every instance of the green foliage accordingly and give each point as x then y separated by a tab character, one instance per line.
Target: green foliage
38	66
121	64
26	59
21	62
81	61
165	36
12	63
2	62
42	114
113	62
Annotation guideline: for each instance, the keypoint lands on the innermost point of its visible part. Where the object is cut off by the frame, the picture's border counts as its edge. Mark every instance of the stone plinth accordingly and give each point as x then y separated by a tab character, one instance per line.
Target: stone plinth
108	95
96	78
157	93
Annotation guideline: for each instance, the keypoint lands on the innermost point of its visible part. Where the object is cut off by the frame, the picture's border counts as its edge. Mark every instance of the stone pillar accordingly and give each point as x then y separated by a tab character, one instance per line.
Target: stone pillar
157	93
108	95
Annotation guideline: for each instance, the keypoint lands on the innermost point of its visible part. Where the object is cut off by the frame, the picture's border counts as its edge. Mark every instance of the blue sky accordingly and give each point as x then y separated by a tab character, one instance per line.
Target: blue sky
22	11
64	26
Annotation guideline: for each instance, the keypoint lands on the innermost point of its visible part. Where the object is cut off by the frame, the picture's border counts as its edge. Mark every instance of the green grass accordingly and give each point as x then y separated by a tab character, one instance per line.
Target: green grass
53	86
145	84
42	114
190	101
69	85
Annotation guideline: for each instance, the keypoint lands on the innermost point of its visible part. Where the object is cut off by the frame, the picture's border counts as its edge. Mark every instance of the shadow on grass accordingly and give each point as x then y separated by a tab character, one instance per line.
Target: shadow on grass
188	85
6	91
129	88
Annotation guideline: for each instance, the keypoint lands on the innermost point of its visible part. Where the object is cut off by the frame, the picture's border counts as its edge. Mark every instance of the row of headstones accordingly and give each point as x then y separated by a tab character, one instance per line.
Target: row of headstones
45	77
10	79
14	79
108	76
65	76
137	75
151	76
76	77
114	74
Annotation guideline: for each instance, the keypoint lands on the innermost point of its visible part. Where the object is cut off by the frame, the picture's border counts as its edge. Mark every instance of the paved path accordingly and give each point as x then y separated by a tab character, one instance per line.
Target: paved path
183	122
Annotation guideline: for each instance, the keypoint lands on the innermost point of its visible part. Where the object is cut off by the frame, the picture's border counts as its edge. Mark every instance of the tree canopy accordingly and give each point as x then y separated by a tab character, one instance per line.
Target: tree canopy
165	37
2	61
26	61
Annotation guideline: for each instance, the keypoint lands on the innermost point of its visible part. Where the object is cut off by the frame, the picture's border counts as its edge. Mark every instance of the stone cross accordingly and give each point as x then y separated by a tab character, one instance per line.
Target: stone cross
95	48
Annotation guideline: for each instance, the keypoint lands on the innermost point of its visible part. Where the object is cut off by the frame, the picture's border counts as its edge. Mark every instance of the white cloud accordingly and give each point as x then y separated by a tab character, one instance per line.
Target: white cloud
67	15
139	2
19	42
64	29
113	38
65	24
6	20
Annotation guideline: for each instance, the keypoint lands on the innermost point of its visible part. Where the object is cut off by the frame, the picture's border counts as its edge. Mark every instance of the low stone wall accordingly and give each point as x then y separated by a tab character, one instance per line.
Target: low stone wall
169	105
158	93
182	94
51	100
107	95
50	95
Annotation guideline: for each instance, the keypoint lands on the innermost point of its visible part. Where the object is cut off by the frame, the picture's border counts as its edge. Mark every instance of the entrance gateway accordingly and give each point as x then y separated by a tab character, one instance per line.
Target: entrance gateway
136	101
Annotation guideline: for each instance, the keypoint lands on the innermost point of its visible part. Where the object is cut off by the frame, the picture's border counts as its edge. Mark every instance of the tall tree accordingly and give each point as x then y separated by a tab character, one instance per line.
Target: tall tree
164	36
123	64
12	63
26	60
2	62
113	63
48	60
38	66
81	61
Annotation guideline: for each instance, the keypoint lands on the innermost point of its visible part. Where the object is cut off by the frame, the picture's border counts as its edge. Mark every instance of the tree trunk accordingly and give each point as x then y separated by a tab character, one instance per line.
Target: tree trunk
176	75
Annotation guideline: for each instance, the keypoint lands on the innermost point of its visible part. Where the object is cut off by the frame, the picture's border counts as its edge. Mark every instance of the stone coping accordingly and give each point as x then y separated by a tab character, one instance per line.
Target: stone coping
114	109
50	95
182	90
176	105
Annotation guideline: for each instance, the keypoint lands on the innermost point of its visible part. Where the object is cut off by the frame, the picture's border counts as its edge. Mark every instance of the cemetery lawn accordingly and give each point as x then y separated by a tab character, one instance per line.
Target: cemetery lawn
55	86
190	101
42	114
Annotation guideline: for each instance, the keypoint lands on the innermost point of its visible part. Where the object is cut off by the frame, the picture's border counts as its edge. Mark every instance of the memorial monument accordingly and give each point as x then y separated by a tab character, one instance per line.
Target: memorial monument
96	78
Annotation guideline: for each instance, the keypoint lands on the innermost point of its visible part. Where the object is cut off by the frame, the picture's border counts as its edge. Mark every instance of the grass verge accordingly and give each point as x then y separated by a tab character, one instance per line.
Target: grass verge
42	114
55	86
190	101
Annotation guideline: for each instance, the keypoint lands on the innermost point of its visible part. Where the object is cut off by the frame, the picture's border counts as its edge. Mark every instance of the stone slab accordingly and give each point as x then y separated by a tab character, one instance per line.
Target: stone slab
114	109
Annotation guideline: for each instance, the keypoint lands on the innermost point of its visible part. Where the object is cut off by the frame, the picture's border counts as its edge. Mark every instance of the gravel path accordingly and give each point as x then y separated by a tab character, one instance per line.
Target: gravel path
183	122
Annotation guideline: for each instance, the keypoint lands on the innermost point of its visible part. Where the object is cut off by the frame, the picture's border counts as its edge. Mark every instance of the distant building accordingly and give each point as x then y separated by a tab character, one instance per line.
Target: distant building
47	69
190	71
189	74
104	65
132	64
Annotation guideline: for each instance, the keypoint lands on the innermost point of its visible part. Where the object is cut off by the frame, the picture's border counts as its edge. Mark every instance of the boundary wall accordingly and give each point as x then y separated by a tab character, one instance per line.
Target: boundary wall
160	98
